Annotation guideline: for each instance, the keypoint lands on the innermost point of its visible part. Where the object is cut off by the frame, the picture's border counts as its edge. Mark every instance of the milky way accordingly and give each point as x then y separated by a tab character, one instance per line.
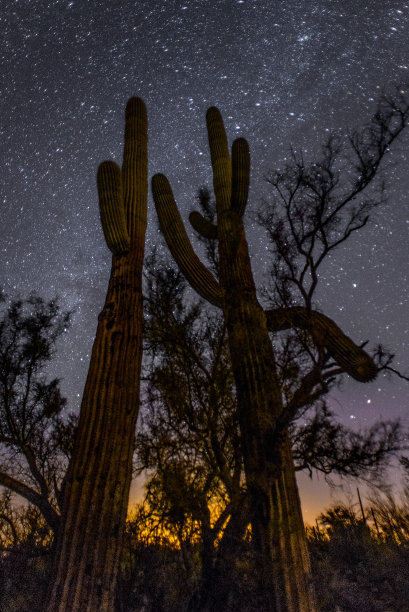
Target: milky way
281	72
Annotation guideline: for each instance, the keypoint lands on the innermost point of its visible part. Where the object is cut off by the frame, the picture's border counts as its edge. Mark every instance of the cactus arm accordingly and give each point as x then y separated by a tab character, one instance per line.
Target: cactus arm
220	159
135	169
199	277
111	207
240	159
325	333
203	226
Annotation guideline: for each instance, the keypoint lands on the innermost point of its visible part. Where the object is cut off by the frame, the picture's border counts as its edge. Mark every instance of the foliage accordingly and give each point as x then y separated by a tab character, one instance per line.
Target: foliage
357	565
25	541
360	565
321	443
32	463
154	576
189	433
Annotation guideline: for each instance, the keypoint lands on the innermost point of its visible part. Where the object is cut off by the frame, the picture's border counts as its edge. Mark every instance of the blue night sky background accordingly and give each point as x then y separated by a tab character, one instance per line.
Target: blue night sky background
282	73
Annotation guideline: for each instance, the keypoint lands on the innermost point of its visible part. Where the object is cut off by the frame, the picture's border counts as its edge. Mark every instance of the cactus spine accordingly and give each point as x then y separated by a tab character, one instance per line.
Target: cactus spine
278	530
99	474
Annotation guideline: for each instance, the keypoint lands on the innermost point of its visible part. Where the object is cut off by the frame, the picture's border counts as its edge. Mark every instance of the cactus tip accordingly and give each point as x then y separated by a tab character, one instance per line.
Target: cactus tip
160	183
135	106
241	142
213	114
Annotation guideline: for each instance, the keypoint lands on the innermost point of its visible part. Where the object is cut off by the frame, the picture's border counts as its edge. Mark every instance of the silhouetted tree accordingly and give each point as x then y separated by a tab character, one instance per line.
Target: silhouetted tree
25	543
189	439
358	566
32	462
321	443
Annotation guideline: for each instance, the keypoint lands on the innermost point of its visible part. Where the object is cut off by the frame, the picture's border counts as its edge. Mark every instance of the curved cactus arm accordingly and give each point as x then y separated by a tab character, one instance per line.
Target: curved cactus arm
240	161
221	164
171	224
203	226
111	207
325	333
135	169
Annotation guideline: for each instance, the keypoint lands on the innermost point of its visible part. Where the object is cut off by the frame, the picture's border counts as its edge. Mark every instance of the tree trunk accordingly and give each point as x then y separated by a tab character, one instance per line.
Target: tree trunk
203	596
230	592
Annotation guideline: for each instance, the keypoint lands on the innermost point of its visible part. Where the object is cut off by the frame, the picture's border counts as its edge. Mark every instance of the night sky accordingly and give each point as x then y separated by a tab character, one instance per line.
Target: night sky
282	73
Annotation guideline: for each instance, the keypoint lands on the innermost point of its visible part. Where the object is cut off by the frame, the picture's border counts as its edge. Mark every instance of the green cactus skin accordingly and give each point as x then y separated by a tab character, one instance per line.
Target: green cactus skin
240	159
277	525
179	245
203	226
111	208
99	475
325	333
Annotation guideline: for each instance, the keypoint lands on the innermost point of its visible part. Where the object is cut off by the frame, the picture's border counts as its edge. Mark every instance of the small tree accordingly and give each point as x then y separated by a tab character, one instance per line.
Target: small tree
32	463
189	441
25	543
358	566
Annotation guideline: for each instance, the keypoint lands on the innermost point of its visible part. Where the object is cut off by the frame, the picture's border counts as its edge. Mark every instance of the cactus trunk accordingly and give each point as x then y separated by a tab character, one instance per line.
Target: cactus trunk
280	548
279	541
99	475
278	532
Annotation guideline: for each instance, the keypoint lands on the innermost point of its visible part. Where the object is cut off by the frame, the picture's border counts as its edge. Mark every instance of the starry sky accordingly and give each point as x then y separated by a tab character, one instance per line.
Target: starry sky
282	73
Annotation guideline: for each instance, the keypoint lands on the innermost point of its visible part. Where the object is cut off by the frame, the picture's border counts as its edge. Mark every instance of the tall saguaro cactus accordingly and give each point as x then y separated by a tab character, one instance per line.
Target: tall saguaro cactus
99	475
277	526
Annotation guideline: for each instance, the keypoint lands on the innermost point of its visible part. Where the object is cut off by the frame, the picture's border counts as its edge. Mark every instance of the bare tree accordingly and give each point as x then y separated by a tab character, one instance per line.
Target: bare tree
317	206
321	443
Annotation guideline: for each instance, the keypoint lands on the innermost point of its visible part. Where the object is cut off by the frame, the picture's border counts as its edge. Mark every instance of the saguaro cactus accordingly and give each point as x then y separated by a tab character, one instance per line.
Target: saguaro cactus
278	531
99	475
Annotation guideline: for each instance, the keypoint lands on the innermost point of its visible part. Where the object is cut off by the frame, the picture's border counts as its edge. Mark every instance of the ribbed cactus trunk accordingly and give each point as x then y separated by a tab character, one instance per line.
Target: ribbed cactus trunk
98	480
279	540
282	573
283	585
278	532
281	556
